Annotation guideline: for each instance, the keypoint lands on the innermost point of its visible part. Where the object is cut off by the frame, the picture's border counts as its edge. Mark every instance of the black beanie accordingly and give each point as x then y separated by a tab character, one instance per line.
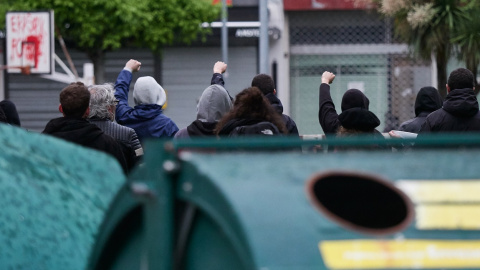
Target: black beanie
354	98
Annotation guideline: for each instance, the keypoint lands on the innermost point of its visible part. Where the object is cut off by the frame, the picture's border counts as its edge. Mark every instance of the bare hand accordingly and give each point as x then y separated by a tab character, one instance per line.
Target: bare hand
134	65
328	77
219	67
394	135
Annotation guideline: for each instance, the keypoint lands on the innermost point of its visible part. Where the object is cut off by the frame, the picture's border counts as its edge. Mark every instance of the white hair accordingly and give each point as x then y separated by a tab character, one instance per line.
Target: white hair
101	99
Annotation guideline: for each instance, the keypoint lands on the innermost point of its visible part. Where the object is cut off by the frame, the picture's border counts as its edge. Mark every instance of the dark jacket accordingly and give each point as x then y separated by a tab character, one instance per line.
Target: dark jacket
459	113
125	136
415	124
359	119
428	100
197	129
249	127
217	78
147	120
82	132
354	108
10	111
277	105
3	117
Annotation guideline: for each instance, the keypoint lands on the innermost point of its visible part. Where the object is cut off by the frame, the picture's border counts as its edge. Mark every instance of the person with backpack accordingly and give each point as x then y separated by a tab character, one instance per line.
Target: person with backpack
252	115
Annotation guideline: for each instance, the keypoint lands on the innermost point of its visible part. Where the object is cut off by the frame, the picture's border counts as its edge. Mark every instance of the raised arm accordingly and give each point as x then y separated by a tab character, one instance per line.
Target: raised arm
218	69
122	86
327	115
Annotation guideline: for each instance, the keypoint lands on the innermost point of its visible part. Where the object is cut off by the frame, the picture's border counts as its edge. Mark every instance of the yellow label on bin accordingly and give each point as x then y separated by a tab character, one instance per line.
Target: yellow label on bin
448	191
448	217
444	205
391	254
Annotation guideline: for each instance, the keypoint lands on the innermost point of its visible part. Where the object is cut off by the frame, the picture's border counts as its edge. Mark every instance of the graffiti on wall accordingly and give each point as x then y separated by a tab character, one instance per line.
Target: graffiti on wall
29	40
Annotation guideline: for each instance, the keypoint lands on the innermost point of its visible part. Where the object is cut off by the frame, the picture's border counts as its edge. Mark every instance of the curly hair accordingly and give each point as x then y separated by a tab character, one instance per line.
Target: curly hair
252	104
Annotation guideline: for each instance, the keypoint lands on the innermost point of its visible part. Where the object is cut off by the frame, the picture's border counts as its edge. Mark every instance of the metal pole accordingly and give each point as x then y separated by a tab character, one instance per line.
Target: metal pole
224	32
263	15
3	72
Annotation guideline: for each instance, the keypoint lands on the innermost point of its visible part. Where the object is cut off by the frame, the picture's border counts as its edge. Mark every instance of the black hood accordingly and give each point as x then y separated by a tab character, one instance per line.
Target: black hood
3	117
199	128
461	103
354	98
359	119
76	130
428	100
276	103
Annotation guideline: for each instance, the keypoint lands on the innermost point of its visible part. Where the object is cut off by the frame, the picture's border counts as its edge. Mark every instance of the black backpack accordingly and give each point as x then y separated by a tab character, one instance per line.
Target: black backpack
259	129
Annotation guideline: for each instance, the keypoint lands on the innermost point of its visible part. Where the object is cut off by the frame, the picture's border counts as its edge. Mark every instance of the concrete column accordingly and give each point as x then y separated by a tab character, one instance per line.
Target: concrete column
279	52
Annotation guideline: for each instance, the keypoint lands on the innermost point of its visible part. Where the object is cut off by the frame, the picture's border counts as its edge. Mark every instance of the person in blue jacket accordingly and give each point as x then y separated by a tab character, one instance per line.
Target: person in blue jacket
146	118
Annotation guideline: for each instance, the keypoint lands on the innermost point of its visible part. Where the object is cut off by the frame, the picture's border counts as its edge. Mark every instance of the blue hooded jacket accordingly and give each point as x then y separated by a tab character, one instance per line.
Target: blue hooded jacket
147	120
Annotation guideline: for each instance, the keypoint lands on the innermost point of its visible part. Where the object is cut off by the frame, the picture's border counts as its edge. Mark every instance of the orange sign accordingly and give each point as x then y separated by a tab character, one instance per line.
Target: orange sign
229	2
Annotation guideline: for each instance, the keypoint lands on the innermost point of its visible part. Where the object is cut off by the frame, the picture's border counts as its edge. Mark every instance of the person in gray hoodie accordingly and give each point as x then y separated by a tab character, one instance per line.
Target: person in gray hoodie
214	102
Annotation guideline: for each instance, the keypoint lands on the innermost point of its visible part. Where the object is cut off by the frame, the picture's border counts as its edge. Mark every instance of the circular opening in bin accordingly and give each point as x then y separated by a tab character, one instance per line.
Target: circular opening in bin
361	202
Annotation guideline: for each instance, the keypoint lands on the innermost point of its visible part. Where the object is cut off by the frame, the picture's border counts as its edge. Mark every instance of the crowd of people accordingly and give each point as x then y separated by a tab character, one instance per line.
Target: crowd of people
99	116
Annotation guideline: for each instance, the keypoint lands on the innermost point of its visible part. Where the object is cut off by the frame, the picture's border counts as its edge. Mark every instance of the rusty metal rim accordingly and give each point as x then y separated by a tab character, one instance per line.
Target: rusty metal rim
349	225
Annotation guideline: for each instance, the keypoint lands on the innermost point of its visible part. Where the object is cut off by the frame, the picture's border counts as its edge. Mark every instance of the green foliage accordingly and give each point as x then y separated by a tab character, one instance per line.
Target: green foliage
434	34
180	21
431	27
467	37
103	25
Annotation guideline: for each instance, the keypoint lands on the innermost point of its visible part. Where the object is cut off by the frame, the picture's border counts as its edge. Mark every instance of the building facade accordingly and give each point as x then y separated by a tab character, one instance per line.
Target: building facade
306	38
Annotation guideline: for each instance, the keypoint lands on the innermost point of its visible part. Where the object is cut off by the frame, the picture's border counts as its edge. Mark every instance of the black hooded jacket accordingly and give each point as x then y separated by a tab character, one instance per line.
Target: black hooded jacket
201	129
355	113
359	119
427	101
277	105
10	112
249	127
3	117
82	132
459	113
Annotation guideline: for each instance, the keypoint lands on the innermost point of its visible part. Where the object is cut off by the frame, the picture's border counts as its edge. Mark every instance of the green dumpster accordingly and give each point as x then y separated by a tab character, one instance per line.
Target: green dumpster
245	204
54	196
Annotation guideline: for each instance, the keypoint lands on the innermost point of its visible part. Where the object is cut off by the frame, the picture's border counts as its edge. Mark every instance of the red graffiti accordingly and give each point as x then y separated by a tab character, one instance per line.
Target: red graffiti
28	40
31	49
16	48
28	49
26	24
27	31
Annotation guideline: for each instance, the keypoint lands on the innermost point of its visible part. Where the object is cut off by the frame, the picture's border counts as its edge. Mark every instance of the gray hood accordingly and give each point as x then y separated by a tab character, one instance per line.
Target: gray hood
148	91
213	104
